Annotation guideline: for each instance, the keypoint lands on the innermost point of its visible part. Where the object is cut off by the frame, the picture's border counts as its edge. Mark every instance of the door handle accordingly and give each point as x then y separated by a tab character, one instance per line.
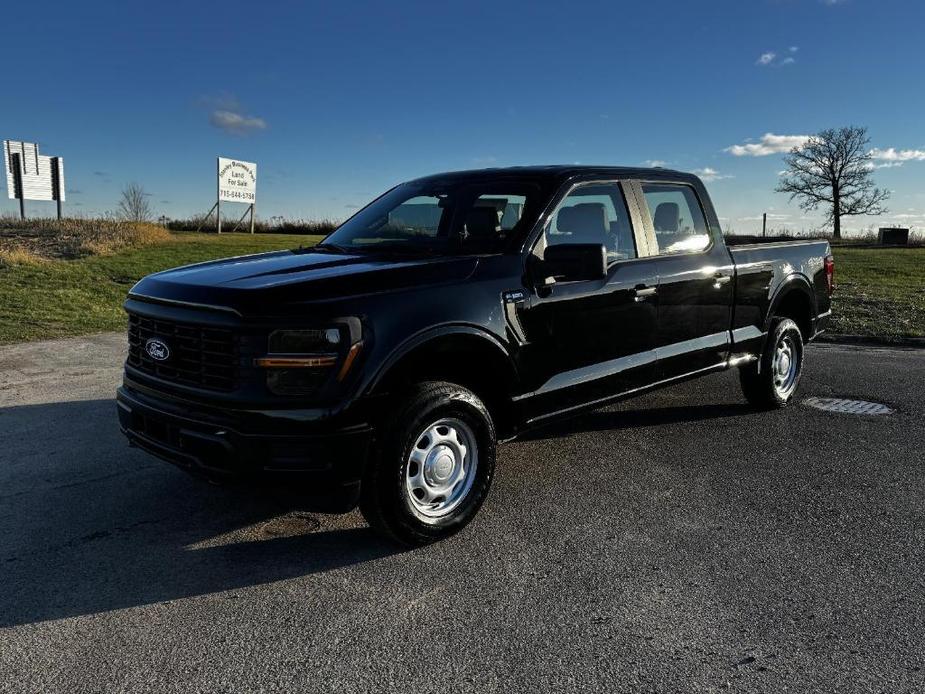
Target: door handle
719	280
643	293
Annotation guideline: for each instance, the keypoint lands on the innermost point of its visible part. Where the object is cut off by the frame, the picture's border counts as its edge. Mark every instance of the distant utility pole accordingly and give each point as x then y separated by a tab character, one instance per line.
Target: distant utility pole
764	224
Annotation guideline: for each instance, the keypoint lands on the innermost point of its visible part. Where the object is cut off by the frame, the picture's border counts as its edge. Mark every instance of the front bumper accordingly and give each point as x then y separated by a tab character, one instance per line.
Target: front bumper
245	445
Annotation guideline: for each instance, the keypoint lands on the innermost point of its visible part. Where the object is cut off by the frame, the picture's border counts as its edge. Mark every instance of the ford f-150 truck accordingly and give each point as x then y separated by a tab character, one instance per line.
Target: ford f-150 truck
381	367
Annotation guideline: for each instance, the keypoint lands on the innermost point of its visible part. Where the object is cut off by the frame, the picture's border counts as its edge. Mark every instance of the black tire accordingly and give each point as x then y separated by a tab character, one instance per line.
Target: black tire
760	382
385	497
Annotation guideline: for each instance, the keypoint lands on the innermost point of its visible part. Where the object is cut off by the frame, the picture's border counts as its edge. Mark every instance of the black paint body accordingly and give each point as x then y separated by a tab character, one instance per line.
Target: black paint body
532	351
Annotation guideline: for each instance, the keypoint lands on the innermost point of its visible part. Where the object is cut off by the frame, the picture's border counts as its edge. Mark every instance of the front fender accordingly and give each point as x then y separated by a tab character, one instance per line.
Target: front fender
432	334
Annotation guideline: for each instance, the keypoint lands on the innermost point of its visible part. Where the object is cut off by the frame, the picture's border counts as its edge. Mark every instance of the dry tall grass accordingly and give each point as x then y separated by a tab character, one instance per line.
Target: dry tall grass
74	238
17	255
273	225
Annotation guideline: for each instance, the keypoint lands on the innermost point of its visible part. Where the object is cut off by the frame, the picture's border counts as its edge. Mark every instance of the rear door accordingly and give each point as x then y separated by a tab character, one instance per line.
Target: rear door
588	340
696	279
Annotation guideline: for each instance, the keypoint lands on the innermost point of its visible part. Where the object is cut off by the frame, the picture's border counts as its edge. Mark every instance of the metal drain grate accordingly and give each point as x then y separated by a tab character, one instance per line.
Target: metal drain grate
847	406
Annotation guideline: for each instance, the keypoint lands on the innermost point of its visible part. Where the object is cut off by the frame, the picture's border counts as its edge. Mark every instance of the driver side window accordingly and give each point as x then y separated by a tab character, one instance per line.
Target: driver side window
594	213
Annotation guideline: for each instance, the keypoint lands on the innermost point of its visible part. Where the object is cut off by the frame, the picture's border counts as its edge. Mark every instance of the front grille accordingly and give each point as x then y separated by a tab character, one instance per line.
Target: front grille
198	356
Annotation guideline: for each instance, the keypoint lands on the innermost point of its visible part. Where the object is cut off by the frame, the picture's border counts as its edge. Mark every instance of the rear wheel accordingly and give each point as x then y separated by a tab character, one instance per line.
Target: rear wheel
772	381
433	465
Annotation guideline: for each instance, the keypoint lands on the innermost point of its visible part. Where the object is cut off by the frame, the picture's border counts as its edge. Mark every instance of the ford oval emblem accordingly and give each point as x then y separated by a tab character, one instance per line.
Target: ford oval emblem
157	350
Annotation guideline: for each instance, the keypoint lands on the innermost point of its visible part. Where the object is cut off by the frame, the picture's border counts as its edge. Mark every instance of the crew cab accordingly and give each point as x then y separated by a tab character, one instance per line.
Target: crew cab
381	367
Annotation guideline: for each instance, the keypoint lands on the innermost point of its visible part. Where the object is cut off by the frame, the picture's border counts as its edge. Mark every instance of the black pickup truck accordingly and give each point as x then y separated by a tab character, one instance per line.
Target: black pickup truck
382	366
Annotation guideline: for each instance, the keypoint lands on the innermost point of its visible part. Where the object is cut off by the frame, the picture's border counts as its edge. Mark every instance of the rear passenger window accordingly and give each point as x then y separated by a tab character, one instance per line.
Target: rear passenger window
677	218
594	213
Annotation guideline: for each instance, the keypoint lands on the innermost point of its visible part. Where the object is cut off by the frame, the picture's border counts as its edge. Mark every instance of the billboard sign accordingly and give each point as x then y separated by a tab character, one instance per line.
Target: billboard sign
30	175
237	181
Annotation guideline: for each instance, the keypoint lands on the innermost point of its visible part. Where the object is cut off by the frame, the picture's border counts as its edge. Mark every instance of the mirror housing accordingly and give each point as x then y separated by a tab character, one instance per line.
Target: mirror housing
573	262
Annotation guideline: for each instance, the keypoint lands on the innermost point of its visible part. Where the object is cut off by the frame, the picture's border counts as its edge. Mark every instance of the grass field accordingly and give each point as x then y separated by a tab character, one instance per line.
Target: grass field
41	299
880	292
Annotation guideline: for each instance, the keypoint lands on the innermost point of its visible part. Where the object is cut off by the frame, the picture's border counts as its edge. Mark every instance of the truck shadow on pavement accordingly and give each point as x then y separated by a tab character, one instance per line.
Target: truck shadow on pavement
89	525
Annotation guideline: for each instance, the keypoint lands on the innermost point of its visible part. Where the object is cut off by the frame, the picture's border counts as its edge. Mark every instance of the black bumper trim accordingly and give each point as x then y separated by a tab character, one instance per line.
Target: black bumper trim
214	445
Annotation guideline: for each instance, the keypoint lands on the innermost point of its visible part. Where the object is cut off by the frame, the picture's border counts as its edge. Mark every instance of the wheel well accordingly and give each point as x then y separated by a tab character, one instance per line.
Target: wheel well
796	306
466	360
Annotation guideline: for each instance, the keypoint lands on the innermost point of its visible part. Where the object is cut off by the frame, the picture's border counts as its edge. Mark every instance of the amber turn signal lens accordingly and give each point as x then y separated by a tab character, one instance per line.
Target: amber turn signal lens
348	362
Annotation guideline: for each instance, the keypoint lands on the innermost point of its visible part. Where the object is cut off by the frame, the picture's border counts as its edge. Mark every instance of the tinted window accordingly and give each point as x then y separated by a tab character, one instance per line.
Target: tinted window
420	215
676	217
452	216
510	208
594	213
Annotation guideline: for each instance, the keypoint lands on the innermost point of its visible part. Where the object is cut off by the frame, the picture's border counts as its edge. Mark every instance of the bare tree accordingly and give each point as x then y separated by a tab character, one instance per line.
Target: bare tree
134	205
834	169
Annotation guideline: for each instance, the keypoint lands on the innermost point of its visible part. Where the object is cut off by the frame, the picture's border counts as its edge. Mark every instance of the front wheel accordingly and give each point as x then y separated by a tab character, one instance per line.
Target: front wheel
772	381
433	465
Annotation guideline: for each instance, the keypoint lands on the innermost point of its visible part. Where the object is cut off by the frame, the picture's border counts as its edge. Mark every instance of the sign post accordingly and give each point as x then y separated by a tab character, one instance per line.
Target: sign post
237	182
32	176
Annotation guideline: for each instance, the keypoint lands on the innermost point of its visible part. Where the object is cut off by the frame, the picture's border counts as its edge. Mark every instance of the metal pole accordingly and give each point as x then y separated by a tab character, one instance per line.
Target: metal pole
764	224
58	183
253	208
218	197
238	223
17	183
205	219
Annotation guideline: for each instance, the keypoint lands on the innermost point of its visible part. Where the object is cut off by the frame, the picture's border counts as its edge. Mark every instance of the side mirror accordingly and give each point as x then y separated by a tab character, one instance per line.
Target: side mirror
572	262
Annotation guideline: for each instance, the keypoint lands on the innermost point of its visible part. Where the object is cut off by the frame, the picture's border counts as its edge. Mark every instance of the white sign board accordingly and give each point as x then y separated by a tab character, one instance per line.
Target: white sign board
237	181
30	175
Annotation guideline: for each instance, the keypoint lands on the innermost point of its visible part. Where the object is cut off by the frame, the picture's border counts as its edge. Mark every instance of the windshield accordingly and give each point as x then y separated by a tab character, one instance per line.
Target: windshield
444	216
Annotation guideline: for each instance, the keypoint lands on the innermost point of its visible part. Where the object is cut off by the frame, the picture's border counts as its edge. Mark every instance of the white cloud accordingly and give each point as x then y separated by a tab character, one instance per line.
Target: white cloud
898	155
708	174
769	144
774	59
235	122
655	162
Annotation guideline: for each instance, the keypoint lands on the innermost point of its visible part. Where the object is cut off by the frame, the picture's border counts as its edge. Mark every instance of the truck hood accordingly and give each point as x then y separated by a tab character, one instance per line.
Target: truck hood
269	282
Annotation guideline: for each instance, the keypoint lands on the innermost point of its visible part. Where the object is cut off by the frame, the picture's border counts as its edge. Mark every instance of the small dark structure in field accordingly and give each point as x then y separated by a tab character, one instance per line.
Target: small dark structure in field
893	236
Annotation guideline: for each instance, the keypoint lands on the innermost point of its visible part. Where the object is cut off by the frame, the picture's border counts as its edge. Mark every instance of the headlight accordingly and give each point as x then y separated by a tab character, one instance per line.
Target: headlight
304	341
299	362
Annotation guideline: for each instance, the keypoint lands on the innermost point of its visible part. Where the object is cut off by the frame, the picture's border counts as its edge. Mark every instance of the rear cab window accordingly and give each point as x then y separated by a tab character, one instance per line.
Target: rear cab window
677	218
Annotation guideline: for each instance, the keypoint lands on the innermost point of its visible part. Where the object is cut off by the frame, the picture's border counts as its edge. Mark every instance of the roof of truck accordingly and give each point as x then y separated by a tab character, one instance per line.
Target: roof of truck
561	171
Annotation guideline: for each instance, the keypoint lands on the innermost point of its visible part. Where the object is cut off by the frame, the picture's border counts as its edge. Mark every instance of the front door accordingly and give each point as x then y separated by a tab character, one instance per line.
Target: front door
696	281
589	340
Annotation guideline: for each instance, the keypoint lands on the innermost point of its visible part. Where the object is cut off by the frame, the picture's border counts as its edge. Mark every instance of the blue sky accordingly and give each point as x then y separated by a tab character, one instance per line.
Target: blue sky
338	101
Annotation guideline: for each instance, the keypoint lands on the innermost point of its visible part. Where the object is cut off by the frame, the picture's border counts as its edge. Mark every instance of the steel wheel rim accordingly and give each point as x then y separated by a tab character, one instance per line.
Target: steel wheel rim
440	469
785	366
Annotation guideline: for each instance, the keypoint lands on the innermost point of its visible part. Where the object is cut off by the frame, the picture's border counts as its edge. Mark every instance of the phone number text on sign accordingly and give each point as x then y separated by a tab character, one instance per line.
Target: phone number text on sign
237	180
238	195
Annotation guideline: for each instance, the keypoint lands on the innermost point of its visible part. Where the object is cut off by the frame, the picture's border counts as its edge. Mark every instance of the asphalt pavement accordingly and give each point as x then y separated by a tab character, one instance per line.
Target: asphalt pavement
677	542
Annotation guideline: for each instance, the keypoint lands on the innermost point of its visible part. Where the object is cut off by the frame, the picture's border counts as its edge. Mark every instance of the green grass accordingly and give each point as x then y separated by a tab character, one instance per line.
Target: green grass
57	298
880	292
